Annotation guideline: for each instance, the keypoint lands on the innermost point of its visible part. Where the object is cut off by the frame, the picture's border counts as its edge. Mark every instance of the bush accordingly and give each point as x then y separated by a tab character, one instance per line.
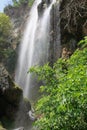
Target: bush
63	106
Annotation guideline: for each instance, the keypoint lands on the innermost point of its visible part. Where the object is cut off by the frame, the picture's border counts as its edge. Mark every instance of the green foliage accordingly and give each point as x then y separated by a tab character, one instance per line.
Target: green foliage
83	42
17	3
11	60
31	2
5	25
7	54
63	106
5	34
23	1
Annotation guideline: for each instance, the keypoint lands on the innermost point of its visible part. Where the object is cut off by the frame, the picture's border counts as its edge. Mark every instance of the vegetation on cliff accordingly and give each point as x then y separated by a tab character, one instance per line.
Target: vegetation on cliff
17	3
5	32
5	25
7	54
63	106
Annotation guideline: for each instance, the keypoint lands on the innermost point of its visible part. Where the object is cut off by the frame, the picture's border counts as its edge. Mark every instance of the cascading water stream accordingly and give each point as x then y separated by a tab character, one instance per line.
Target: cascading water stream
26	47
34	47
33	50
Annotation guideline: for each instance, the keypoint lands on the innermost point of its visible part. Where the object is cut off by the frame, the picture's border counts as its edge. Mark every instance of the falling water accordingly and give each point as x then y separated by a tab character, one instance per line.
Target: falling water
34	46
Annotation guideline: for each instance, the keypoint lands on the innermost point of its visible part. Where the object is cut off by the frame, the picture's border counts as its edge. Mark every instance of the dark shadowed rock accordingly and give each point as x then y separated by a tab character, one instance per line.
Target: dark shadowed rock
1	127
73	20
11	99
10	94
55	34
42	6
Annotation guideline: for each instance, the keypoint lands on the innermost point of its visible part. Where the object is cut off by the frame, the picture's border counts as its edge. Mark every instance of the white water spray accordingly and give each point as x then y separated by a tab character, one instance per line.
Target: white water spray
34	46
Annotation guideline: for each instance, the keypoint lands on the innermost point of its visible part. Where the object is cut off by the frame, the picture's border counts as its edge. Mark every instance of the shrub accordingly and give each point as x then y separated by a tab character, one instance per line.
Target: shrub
63	105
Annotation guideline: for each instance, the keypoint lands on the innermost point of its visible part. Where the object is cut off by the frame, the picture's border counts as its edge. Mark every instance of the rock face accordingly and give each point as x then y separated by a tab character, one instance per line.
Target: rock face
42	6
10	94
68	24
3	78
11	98
18	17
22	117
55	35
68	27
73	22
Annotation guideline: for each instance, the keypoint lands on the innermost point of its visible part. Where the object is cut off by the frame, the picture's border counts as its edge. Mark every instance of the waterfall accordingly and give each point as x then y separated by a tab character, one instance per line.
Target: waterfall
34	46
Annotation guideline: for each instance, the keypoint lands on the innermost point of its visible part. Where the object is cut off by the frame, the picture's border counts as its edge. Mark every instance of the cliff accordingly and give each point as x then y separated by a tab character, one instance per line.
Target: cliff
18	16
68	27
68	24
73	23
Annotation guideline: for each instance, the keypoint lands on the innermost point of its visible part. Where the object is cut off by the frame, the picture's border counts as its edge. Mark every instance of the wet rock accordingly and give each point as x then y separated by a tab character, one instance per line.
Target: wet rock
32	115
11	97
5	80
42	6
22	118
10	94
55	34
84	29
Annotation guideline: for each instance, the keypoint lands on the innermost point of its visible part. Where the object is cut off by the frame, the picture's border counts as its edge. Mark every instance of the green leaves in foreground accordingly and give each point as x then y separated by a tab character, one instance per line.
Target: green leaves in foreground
63	106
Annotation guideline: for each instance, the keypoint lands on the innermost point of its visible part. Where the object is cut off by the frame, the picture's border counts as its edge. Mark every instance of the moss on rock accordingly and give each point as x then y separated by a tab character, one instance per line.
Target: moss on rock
1	127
